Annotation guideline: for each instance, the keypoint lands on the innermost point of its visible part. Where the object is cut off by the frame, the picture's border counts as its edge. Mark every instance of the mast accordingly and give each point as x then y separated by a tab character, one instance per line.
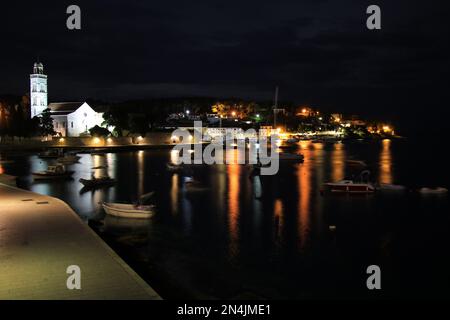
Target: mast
275	108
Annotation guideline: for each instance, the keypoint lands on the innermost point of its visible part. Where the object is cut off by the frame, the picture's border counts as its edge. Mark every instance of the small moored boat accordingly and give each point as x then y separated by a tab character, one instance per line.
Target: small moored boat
124	210
438	190
68	159
349	186
391	187
53	172
97	182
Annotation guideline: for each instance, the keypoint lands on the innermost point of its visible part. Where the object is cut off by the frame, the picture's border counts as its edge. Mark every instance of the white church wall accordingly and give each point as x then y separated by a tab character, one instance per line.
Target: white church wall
82	119
60	124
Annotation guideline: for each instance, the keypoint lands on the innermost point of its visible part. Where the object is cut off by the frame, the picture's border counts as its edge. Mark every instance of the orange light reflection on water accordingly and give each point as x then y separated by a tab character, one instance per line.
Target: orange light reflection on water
338	162
233	171
386	162
304	189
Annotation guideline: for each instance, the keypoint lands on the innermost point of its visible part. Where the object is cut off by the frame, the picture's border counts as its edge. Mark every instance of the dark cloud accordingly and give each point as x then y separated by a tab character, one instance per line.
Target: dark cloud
318	52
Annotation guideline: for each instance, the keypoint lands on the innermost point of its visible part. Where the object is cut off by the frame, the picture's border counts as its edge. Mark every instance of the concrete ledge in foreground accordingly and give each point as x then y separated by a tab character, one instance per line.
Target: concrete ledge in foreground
40	237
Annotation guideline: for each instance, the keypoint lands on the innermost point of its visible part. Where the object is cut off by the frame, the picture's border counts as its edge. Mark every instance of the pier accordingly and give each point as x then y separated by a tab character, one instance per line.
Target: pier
41	236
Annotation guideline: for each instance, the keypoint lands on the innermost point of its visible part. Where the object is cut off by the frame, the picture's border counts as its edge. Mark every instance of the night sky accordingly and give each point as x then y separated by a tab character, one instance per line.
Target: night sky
317	52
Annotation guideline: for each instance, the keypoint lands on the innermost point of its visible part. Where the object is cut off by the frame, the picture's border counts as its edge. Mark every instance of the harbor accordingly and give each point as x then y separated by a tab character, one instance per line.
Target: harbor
226	224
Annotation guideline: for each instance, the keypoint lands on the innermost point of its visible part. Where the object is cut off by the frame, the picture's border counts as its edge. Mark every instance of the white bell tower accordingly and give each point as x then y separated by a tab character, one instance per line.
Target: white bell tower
38	90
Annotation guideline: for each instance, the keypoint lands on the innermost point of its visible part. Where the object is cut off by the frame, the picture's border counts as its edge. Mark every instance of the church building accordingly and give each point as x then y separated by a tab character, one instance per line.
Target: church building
70	119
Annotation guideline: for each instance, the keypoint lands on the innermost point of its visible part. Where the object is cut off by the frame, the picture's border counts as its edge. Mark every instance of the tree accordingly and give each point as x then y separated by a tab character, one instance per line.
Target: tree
139	124
116	118
99	132
46	123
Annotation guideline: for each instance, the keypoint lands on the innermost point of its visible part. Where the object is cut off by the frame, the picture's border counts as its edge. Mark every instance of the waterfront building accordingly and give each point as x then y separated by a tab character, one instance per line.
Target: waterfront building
70	119
38	90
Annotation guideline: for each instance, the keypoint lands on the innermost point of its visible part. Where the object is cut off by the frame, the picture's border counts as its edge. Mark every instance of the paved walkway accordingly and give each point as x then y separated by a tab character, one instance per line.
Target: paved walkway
40	237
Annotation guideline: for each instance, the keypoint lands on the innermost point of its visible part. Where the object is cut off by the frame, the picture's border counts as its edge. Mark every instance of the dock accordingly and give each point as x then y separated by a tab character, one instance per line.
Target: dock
40	237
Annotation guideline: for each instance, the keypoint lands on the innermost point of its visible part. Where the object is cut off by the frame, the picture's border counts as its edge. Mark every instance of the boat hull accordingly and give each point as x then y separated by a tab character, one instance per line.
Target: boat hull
128	211
351	188
92	184
49	176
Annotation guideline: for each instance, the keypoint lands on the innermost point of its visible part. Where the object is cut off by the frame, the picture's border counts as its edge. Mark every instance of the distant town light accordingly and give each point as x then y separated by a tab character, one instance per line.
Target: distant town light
233	113
187	111
109	140
61	140
257	115
140	138
96	140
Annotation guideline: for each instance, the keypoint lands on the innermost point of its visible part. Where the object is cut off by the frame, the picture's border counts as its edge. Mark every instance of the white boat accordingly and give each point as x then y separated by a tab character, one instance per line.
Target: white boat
68	159
53	172
349	186
125	210
438	190
391	187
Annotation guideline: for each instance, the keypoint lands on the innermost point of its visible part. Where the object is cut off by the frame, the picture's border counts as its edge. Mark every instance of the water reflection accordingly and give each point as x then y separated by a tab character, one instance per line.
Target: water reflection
141	172
385	162
174	189
338	162
233	171
304	192
278	219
